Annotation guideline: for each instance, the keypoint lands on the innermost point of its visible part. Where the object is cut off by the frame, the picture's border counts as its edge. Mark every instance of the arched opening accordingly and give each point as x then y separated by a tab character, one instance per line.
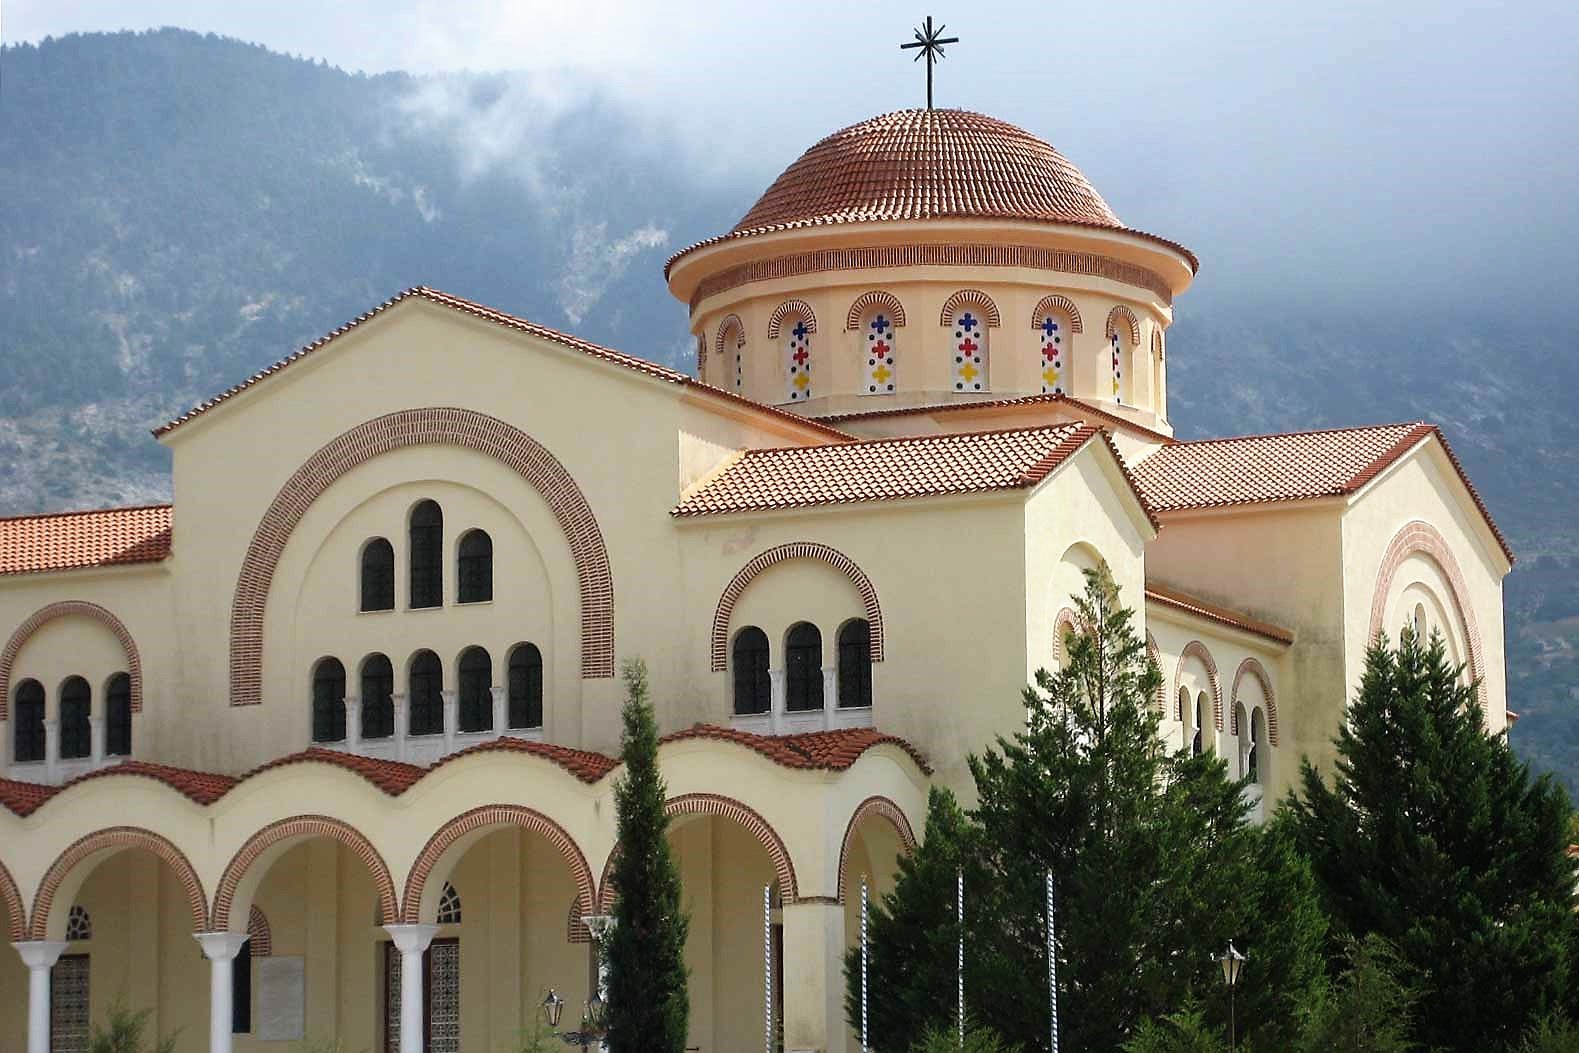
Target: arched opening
1055	332
118	716
76	728
1242	724
449	906
378	697
328	716
1258	761
803	668
1420	625
1200	742
27	723
526	686
474	673
796	341
879	351
855	664
378	575
427	555
969	355
474	568
749	661
425	694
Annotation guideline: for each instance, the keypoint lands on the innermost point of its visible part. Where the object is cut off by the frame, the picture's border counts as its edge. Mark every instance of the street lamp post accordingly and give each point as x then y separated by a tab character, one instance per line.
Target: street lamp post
1232	962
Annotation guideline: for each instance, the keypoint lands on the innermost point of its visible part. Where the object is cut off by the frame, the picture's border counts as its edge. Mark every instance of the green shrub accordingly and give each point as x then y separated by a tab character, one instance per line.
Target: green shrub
122	1032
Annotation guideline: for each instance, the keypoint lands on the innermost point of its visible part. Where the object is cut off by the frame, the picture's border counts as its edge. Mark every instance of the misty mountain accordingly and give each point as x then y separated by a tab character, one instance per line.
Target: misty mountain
178	211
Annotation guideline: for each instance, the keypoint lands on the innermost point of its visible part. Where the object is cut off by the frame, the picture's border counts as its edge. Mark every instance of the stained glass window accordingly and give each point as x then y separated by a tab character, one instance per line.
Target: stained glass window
28	723
753	687
76	733
803	668
1055	359
427	555
378	575
526	687
378	704
877	331
328	700
425	694
118	716
475	676
969	365
797	360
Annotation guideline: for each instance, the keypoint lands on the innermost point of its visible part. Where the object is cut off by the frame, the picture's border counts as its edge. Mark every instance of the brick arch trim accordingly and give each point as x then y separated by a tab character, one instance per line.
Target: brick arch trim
422	427
874	806
1421	538
1155	654
1253	667
730	321
11	903
1064	619
1056	304
791	309
305	826
1131	324
260	936
970	298
876	298
774	556
64	609
501	815
118	837
725	808
1196	649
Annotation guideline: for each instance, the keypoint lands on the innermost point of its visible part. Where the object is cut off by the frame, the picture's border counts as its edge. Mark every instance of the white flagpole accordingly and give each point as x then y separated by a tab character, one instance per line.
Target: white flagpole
1052	964
767	969
865	1035
959	909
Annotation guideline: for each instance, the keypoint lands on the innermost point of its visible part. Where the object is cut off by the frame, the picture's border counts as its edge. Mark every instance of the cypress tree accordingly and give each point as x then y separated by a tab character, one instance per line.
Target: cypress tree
1435	837
648	1006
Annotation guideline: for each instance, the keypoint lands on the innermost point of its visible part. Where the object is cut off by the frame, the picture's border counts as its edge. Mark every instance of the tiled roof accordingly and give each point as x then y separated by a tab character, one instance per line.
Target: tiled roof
886	469
1084	408
1294	466
585	765
817	750
509	321
929	164
1170	597
199	786
70	540
392	777
24	798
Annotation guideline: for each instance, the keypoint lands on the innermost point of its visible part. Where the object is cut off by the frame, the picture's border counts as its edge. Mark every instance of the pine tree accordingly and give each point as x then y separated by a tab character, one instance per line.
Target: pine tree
648	1006
1435	837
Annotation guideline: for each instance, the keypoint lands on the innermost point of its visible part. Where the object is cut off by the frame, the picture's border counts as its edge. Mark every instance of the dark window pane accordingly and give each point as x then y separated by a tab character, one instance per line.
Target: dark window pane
475	674
425	695
329	701
241	993
118	716
378	704
28	722
76	733
427	555
855	664
378	576
526	687
474	574
753	688
803	669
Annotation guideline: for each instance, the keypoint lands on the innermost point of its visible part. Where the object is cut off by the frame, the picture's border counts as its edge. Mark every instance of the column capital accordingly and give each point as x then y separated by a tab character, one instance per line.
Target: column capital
40	954
220	946
411	939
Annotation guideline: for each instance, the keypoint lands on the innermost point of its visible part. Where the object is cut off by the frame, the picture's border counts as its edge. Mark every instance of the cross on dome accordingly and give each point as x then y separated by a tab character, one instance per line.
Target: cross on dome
929	43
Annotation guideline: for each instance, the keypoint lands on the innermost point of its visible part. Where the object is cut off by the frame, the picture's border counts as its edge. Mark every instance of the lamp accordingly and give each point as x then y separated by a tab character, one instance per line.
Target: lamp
1232	962
553	1008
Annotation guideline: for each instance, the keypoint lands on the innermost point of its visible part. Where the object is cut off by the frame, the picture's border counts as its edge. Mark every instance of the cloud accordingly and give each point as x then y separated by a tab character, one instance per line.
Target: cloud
597	263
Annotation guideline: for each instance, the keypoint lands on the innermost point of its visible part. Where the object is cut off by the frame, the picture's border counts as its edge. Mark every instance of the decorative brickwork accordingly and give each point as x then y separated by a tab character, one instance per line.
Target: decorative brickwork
774	556
874	806
11	903
1196	649
975	257
576	930
1131	324
495	815
730	331
407	428
64	609
260	938
1419	537
888	302
791	309
1056	304
116	838
303	827
1155	654
1252	667
1063	625
970	298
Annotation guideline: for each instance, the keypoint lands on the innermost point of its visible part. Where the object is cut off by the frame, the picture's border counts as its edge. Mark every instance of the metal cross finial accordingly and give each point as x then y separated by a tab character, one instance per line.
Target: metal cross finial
930	42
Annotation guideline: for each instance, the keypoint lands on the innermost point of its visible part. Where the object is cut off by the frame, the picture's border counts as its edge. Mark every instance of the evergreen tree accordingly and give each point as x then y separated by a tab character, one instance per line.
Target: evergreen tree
1367	1010
1434	836
648	1007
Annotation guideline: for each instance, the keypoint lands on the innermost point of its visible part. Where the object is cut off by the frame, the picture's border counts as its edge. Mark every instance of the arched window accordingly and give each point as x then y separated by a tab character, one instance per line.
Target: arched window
732	348
803	668
526	686
27	722
1256	763
753	687
425	694
1156	372
1183	715
475	674
855	664
474	568
118	716
427	555
378	701
378	575
969	355
1055	354
877	344
1419	623
1242	722
76	732
449	906
1198	744
328	701
797	359
79	924
1117	367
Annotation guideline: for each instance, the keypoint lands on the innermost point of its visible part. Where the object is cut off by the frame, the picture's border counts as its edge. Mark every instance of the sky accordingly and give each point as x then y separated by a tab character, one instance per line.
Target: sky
1327	152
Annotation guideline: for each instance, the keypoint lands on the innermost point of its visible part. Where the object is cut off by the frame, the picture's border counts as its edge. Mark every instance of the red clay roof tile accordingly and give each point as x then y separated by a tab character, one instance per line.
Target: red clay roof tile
72	540
392	777
585	765
199	786
817	750
1086	409
24	798
1182	601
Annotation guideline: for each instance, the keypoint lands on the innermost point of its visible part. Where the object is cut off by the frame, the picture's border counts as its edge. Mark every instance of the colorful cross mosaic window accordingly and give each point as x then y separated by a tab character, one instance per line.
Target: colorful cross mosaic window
1054	362
797	362
970	352
878	344
1118	368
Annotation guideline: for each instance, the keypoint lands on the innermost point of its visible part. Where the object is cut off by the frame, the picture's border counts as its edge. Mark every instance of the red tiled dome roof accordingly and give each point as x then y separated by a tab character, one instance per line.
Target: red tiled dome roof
926	164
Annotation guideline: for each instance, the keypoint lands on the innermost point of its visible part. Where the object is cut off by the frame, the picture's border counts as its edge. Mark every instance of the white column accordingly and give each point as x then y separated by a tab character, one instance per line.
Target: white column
813	976
51	748
96	738
40	957
450	715
501	711
411	941
776	698
220	948
830	693
402	722
353	724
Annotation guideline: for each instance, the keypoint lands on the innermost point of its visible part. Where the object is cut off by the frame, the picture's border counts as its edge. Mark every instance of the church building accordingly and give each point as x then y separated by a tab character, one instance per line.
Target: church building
325	751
